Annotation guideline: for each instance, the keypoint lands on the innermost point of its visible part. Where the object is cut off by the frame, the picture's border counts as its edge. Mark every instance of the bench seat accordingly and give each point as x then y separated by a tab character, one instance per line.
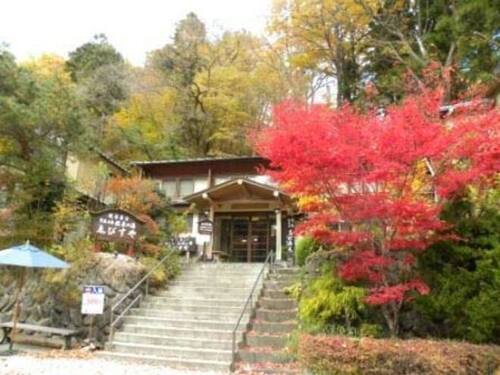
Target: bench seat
67	334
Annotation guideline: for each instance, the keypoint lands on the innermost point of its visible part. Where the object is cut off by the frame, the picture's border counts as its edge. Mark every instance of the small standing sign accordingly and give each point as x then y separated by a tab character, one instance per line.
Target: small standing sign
205	226
93	300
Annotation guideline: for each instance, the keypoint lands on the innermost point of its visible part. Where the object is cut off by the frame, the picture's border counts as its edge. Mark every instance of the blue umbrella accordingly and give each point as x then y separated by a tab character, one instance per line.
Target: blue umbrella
26	256
30	256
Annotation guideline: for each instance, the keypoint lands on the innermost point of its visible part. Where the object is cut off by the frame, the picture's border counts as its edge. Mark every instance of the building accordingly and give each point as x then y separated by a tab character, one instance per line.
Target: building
89	174
246	212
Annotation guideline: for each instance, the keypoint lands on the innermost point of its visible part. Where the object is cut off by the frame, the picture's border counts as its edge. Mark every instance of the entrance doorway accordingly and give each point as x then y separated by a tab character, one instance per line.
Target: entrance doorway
247	237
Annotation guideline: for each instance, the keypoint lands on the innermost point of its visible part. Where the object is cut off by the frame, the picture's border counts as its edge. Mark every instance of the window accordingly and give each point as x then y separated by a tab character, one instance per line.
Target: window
186	187
170	188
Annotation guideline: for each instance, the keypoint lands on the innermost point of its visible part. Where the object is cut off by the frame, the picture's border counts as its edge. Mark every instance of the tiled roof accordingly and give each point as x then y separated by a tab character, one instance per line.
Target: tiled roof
191	160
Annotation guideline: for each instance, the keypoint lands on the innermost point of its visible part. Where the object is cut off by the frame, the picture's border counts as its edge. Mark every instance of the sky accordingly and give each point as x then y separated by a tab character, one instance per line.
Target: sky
33	27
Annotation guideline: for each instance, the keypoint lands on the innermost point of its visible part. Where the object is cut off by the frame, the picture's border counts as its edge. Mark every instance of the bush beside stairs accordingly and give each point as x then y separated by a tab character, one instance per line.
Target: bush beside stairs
190	324
263	351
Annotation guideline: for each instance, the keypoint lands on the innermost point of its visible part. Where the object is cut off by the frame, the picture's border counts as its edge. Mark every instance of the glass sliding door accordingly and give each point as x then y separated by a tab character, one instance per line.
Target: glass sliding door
247	237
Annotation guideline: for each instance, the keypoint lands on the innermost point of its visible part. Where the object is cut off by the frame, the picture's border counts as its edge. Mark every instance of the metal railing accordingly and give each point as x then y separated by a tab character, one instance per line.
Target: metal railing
145	279
249	302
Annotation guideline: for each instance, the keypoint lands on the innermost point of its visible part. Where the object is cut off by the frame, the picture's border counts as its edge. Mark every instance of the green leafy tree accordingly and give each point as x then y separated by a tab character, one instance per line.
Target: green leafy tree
91	56
465	275
102	78
406	36
41	121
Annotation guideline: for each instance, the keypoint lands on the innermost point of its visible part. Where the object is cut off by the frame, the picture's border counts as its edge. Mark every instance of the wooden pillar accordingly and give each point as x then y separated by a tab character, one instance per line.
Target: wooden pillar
279	231
211	216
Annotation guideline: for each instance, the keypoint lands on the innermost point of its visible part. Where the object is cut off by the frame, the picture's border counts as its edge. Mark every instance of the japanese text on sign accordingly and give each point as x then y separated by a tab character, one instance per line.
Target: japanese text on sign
116	225
93	300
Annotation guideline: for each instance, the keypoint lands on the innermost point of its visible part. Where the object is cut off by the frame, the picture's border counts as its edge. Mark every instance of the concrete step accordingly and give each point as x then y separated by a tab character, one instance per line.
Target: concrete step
201	314
172	351
220	272
221	292
189	294
276	315
274	293
191	323
278	285
274	341
199	343
212	283
284	279
201	301
191	333
286	271
270	355
181	308
168	361
179	323
274	327
277	303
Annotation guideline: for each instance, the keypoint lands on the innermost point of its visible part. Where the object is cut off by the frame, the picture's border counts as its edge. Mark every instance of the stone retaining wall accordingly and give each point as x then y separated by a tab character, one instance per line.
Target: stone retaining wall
54	298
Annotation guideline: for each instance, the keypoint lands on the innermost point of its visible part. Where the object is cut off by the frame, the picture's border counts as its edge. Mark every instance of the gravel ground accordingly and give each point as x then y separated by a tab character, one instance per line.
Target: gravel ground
36	365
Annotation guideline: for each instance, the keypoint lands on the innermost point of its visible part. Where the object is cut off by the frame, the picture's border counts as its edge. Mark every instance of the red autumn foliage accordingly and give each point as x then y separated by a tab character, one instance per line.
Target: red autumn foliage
387	176
139	197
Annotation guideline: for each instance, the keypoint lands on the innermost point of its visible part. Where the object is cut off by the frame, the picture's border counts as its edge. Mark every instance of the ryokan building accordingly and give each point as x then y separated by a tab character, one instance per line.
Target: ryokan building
250	215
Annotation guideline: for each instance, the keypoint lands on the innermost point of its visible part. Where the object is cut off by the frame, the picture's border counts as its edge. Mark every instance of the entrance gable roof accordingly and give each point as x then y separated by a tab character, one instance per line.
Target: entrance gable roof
239	189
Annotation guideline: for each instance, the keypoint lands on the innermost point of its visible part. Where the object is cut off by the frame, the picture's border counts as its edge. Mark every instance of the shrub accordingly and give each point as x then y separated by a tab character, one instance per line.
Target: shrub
294	290
330	355
304	247
169	269
327	300
371	330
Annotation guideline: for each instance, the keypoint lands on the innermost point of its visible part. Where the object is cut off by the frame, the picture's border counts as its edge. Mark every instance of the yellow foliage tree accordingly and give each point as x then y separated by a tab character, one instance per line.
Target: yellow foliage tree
327	37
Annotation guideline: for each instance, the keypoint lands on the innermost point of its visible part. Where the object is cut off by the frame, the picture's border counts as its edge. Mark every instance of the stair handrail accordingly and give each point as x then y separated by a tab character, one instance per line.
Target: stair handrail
136	299
249	302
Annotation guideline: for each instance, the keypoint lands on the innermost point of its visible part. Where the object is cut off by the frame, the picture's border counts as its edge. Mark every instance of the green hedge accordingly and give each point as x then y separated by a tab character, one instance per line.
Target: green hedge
331	355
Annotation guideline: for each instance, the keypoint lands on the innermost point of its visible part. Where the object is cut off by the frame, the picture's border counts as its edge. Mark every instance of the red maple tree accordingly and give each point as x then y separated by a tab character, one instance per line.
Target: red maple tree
384	176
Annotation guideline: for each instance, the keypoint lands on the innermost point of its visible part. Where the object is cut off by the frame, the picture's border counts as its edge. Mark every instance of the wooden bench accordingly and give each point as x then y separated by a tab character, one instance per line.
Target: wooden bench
67	334
219	255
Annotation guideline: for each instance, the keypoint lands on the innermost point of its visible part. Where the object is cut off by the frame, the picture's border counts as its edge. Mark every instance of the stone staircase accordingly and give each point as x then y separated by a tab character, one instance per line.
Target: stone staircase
190	324
276	313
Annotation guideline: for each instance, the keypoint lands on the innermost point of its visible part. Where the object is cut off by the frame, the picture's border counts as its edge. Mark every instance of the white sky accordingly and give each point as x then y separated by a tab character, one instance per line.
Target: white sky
134	27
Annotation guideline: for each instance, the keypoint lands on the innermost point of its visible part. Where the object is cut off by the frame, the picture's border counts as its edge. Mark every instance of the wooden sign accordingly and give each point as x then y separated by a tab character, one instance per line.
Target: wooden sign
205	226
184	244
290	236
115	225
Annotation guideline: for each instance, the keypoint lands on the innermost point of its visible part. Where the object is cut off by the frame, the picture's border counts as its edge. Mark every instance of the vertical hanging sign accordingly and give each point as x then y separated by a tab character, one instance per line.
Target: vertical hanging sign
290	237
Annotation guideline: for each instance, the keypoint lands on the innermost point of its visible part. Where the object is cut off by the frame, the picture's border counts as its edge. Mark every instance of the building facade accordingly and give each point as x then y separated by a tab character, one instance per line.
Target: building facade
248	216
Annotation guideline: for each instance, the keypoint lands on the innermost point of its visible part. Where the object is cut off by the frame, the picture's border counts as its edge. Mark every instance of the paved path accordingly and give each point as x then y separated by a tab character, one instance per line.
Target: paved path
32	364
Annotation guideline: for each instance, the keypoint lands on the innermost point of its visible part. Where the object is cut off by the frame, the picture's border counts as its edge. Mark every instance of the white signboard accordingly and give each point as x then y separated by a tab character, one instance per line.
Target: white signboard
93	300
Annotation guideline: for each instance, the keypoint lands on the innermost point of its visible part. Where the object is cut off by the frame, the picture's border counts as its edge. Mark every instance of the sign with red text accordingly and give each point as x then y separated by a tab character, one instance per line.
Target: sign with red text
93	300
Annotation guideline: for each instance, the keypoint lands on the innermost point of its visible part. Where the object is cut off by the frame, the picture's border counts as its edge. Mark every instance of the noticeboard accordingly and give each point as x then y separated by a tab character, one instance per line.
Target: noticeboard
205	226
184	244
116	225
93	300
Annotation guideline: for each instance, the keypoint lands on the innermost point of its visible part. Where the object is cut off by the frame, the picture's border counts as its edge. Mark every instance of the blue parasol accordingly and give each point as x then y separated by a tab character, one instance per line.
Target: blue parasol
26	256
30	256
